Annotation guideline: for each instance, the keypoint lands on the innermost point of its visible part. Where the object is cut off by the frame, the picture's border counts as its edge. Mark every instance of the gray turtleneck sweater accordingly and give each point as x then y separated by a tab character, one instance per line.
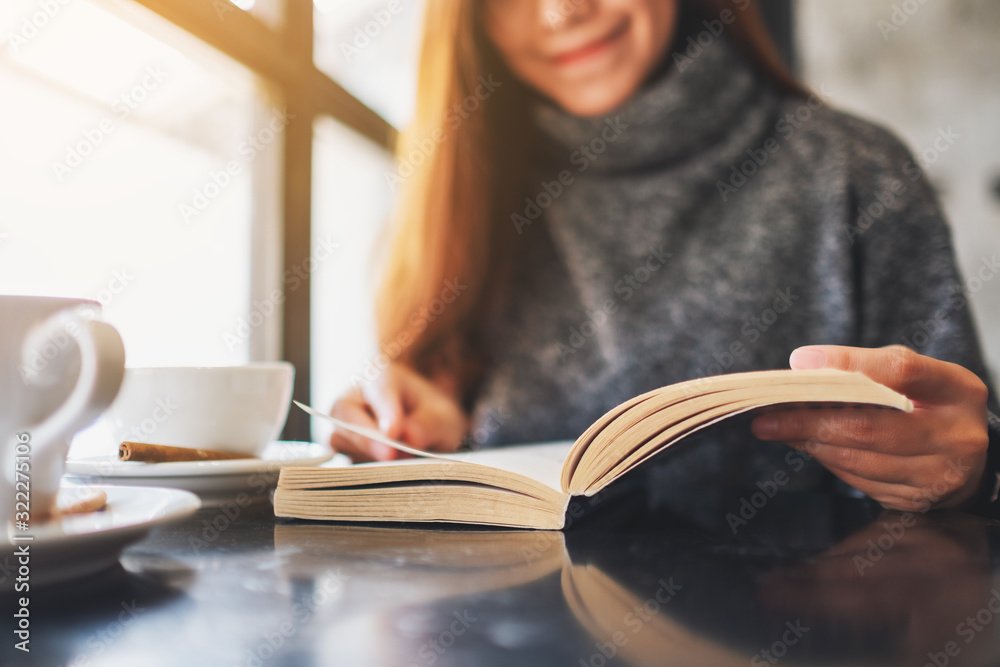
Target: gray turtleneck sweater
712	224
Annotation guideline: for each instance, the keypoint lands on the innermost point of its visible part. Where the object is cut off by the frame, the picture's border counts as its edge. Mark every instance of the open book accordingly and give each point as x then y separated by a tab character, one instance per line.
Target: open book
531	486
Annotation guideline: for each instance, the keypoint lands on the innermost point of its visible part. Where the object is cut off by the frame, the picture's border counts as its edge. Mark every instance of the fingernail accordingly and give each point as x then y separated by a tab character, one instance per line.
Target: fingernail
764	427
381	451
804	358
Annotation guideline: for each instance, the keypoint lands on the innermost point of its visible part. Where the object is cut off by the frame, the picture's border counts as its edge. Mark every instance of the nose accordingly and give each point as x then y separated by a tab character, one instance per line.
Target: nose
561	14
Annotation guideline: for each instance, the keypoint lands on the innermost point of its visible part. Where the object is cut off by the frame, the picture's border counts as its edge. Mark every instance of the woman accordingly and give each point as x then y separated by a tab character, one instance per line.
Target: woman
624	194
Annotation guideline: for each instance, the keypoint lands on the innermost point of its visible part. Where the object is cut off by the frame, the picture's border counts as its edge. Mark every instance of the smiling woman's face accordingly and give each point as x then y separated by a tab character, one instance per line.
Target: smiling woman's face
588	56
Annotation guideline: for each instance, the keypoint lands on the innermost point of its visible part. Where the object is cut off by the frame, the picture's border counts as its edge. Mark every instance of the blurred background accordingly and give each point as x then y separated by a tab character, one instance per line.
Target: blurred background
215	172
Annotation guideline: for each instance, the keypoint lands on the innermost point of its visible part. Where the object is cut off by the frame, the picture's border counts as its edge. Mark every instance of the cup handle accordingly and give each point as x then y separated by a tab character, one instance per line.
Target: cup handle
102	367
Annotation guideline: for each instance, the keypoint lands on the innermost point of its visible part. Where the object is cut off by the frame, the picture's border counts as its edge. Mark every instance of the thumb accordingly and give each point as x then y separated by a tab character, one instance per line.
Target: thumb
916	376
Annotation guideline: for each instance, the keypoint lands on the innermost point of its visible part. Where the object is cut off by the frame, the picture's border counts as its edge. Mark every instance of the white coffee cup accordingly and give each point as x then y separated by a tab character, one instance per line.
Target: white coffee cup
237	409
59	369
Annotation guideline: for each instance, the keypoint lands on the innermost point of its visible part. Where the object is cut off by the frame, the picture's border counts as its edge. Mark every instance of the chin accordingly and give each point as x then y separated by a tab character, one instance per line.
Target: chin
592	103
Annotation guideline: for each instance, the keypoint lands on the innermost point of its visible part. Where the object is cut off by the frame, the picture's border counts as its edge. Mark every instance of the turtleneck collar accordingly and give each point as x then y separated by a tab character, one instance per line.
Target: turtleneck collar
687	106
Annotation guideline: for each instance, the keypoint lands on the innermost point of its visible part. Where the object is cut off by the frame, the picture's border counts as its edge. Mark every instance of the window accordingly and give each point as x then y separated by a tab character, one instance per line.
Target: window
371	48
115	187
159	157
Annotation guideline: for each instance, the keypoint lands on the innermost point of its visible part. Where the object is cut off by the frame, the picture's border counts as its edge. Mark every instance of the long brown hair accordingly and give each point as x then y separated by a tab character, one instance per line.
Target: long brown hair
459	173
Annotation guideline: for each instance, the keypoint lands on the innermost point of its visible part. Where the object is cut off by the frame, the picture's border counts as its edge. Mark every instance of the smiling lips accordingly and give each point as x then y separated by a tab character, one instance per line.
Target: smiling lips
593	48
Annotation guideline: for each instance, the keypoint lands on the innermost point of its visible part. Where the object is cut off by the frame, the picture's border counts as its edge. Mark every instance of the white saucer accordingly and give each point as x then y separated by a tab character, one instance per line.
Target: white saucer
214	481
275	456
77	545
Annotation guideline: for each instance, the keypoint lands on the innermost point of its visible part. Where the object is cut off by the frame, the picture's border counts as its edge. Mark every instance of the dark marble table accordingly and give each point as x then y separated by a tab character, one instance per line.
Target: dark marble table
808	581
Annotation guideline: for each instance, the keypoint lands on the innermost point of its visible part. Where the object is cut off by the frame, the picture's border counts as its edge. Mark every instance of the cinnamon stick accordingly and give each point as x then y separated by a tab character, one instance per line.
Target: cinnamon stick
140	451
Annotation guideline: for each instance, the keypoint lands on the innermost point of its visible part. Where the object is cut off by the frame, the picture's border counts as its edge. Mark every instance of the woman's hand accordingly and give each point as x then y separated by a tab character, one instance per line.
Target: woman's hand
934	457
403	405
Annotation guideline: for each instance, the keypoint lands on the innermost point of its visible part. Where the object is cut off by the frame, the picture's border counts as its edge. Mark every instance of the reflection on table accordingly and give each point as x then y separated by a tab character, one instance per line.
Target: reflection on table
629	586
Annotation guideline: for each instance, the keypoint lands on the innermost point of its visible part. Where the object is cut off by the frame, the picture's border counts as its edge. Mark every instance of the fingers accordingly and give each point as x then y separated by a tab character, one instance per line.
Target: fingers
354	409
433	420
898	491
887	479
405	406
908	482
918	377
436	425
931	457
884	430
870	465
385	398
891	495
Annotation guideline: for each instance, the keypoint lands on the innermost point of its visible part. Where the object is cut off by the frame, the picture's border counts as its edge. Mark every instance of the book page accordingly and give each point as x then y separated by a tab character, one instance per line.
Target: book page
541	462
